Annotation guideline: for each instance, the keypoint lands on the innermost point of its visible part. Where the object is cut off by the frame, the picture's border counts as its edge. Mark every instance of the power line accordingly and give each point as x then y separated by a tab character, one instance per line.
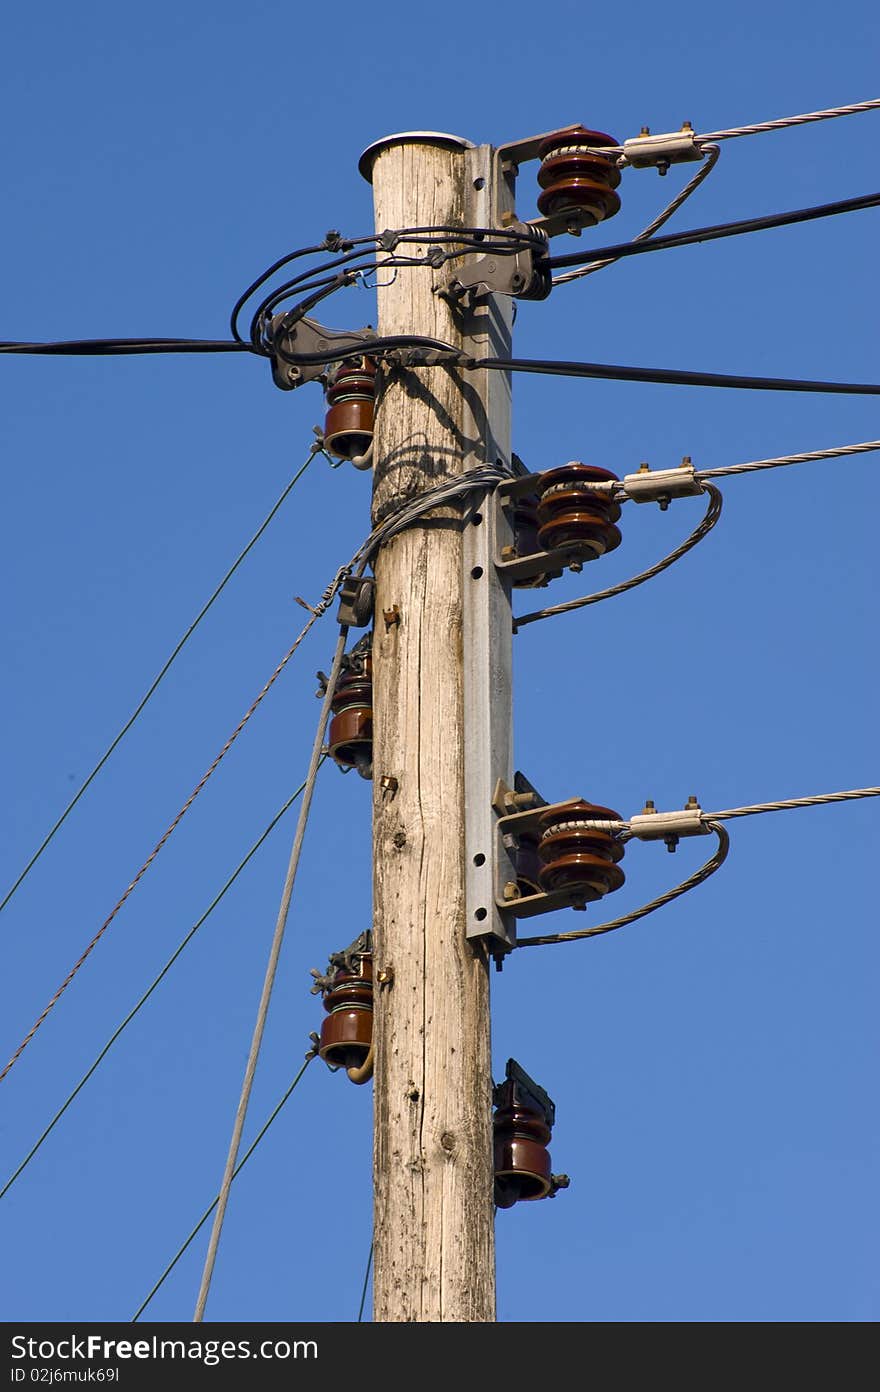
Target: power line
712	153
269	980
760	128
716	231
323	604
729	470
713	512
610	372
819	800
149	991
123	347
715	861
210	1209
158	678
784	122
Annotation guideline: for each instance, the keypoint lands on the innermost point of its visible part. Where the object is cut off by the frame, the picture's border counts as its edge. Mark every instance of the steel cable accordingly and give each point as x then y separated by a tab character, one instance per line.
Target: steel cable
210	1209
269	981
149	991
316	448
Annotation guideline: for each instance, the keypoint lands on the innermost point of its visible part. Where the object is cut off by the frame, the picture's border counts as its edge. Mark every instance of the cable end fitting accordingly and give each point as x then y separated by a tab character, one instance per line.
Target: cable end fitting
651	825
661	151
659	485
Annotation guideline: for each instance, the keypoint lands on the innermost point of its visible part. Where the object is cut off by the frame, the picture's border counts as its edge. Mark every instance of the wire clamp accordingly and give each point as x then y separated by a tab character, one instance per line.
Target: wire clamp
662	485
651	825
522	273
658	152
294	339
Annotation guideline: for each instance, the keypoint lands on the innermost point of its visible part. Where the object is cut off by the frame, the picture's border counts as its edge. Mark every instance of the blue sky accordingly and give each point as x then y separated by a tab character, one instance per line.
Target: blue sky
714	1066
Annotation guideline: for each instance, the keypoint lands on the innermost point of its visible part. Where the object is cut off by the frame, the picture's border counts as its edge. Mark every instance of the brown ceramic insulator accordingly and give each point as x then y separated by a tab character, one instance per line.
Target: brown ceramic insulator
571	513
522	1160
347	1032
351	395
572	176
350	737
579	857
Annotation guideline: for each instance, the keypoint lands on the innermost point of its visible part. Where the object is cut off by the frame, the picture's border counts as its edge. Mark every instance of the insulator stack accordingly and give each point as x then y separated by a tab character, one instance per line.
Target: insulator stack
574	178
522	1127
578	856
350	737
572	513
347	1032
351	398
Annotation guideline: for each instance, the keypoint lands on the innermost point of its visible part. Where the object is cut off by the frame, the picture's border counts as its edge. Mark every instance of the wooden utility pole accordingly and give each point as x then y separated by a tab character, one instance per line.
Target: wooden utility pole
433	1174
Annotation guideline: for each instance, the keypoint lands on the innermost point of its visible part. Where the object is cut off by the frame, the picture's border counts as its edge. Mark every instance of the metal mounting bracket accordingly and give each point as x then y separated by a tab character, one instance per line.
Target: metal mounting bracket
519	813
306	338
522	273
549	564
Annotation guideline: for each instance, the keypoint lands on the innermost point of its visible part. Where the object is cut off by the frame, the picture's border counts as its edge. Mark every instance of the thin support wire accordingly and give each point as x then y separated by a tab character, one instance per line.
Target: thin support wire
210	1209
712	864
158	678
149	991
713	512
320	608
269	981
366	1284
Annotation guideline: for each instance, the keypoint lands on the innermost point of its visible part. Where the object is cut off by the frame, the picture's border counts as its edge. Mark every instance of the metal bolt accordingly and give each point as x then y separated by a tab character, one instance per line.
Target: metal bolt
644	467
646	130
391	616
692	802
648	807
508	553
388	783
385	976
511	891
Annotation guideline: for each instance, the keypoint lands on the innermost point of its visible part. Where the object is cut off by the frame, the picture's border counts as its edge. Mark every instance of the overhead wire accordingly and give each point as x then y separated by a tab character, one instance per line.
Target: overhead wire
210	1209
323	604
164	669
135	1010
712	514
782	461
716	232
610	372
121	347
269	980
785	122
758	128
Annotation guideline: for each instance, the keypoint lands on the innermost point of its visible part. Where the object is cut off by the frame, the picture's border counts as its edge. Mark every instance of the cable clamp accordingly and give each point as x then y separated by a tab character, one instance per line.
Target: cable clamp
521	272
658	152
660	485
651	825
302	349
